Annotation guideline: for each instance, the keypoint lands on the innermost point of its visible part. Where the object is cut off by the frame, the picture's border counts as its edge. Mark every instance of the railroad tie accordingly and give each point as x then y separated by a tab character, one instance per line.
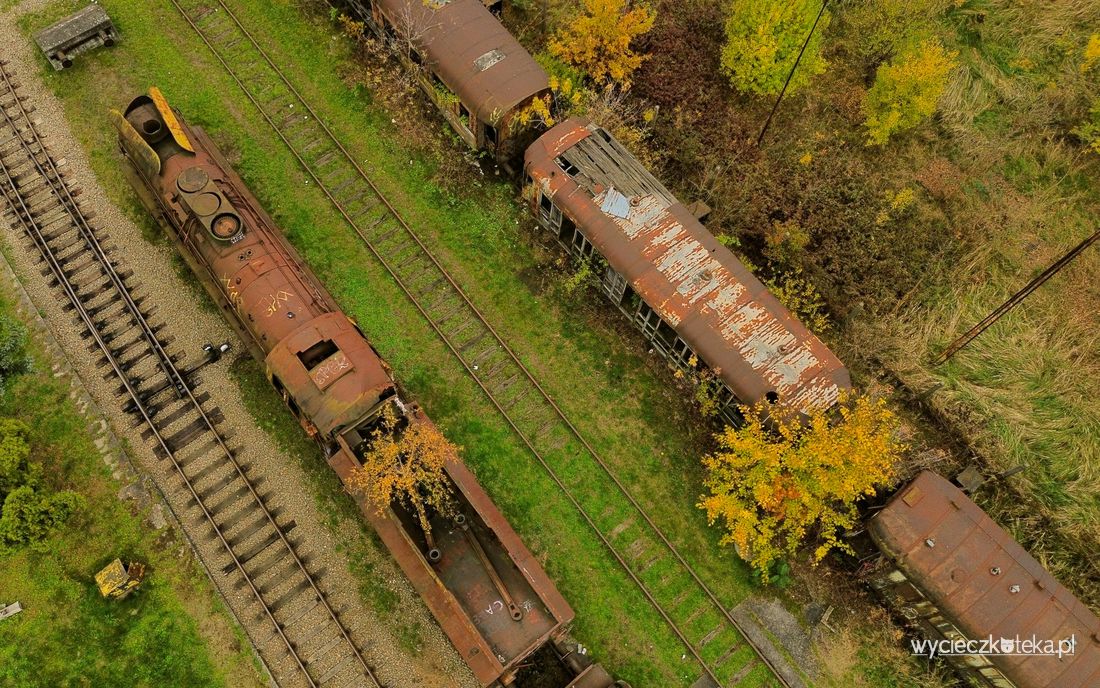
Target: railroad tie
712	634
728	654
743	672
617	530
699	611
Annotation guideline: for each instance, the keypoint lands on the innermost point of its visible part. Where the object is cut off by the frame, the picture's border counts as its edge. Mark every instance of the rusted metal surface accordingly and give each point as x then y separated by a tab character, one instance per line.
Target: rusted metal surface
274	297
335	383
157	194
959	564
76	34
471	52
460	589
670	260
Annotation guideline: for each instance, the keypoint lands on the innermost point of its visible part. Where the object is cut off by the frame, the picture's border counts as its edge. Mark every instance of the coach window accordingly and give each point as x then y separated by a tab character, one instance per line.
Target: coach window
581	246
464	116
490	135
567	228
680	352
614	285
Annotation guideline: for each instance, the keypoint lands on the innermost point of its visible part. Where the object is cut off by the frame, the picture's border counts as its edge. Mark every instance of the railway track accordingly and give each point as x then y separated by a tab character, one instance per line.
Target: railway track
306	645
710	633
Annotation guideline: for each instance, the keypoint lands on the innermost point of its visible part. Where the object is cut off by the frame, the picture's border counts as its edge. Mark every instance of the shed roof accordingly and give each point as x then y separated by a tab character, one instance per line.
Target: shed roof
727	316
969	572
471	52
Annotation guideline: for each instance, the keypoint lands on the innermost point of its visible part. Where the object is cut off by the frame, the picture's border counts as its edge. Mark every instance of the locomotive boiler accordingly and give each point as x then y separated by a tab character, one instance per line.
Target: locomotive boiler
485	588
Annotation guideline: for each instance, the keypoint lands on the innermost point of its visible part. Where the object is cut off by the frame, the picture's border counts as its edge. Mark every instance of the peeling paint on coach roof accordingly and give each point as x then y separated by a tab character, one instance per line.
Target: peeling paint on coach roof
670	260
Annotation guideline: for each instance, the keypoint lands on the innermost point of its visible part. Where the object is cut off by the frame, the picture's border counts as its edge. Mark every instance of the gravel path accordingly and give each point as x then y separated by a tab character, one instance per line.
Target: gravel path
189	326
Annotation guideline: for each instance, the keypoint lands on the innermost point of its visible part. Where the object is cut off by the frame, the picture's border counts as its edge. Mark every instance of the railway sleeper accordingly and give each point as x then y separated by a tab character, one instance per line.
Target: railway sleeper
211	492
244	522
284	571
285	598
264	546
294	608
699	611
712	634
114	327
183	437
361	206
220	503
207	471
127	357
198	452
650	563
183	408
338	667
743	672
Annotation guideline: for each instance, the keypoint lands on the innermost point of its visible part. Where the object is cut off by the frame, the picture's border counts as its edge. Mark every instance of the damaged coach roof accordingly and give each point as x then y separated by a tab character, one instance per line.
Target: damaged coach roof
470	51
726	315
979	577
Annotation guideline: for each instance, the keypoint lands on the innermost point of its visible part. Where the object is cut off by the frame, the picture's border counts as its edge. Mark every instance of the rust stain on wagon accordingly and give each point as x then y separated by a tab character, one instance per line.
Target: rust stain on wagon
948	552
670	260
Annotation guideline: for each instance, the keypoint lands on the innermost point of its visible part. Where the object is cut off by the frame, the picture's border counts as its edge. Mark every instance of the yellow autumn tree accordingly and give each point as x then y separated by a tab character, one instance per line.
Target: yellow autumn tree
763	40
404	466
906	91
598	40
772	487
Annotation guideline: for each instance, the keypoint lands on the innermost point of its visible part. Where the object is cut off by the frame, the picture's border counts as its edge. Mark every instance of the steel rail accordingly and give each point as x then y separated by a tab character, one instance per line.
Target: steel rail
393	212
58	186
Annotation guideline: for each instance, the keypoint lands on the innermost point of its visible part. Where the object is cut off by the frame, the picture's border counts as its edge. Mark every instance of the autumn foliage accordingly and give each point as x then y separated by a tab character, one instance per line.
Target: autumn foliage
773	487
598	40
906	91
763	39
405	467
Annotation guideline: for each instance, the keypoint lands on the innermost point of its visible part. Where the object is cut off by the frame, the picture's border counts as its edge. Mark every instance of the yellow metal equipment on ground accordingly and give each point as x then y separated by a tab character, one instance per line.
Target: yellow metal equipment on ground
116	581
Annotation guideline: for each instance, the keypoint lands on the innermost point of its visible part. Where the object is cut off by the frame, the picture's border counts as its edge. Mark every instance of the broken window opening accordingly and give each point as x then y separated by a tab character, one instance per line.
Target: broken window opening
490	135
567	167
614	285
464	116
314	355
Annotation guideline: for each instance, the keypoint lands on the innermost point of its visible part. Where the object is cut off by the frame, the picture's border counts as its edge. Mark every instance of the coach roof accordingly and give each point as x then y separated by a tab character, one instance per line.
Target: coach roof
986	583
471	52
726	315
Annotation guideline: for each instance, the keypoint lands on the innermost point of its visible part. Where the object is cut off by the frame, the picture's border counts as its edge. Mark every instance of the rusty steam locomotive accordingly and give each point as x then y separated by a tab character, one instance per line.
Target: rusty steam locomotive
485	588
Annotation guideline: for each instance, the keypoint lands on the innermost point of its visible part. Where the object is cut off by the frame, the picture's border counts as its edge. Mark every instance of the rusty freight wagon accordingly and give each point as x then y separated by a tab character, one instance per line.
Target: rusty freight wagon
467	62
693	300
956	575
485	588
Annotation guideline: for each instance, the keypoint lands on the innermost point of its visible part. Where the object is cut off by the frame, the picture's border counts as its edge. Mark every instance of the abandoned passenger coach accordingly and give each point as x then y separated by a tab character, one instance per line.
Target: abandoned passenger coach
693	300
956	575
488	592
467	62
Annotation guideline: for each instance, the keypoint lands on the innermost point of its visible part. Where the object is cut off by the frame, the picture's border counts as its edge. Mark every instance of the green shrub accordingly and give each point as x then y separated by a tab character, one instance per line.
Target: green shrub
27	514
28	517
14	359
763	38
15	468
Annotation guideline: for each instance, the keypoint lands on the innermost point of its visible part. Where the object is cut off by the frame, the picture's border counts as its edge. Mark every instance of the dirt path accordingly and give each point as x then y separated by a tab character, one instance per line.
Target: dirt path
190	325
